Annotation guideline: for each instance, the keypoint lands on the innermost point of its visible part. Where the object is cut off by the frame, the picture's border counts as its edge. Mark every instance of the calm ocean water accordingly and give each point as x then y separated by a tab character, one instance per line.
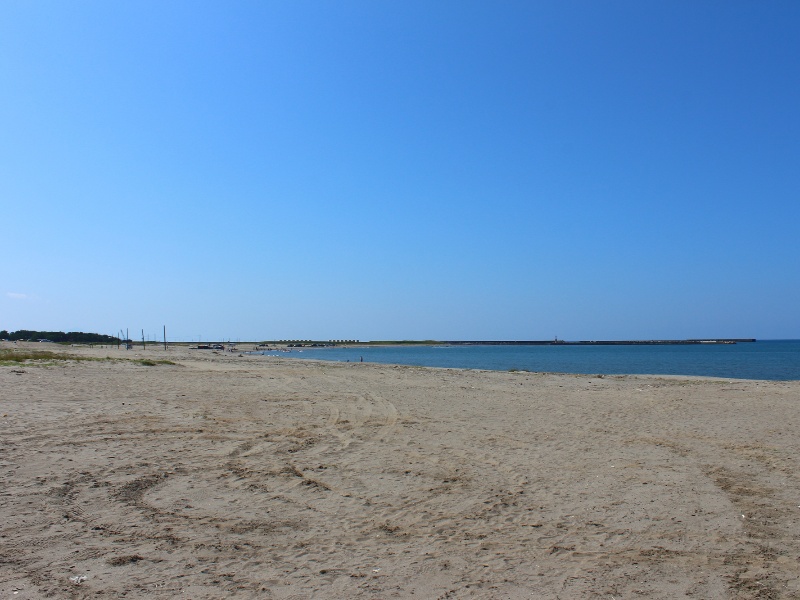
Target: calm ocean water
767	359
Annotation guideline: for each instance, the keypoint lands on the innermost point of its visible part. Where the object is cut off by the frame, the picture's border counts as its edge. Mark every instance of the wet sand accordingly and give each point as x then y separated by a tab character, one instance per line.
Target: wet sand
260	477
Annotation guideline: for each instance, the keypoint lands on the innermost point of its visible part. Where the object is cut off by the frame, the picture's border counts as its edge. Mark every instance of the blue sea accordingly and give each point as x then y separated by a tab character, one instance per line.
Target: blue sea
764	359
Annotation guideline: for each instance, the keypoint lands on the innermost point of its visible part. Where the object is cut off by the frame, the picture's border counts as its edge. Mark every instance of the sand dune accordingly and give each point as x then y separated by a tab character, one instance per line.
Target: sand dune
258	477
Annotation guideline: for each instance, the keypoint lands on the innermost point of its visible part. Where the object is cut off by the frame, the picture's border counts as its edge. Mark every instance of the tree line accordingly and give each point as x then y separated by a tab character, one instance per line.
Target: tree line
71	337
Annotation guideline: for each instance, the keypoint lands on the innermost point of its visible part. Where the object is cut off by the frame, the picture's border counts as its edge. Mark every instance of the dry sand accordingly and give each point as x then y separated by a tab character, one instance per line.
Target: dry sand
257	477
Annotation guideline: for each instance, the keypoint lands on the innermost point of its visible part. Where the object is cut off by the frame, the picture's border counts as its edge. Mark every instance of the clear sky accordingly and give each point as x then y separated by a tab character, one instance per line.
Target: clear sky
401	170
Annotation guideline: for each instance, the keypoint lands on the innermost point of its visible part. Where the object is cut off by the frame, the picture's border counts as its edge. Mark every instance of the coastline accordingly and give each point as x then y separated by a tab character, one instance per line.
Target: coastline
228	475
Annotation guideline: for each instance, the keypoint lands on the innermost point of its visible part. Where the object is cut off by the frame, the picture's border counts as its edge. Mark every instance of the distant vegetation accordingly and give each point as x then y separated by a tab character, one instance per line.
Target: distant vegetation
72	337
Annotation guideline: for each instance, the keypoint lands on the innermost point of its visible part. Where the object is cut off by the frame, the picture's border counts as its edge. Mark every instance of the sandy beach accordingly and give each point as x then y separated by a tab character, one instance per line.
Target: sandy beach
258	477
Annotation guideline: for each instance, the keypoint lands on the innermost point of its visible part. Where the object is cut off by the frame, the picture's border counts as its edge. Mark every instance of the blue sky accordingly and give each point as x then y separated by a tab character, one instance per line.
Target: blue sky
401	170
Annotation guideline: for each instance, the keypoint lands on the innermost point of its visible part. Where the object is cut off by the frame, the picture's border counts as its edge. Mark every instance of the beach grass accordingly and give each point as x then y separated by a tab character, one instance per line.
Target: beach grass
11	357
152	363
